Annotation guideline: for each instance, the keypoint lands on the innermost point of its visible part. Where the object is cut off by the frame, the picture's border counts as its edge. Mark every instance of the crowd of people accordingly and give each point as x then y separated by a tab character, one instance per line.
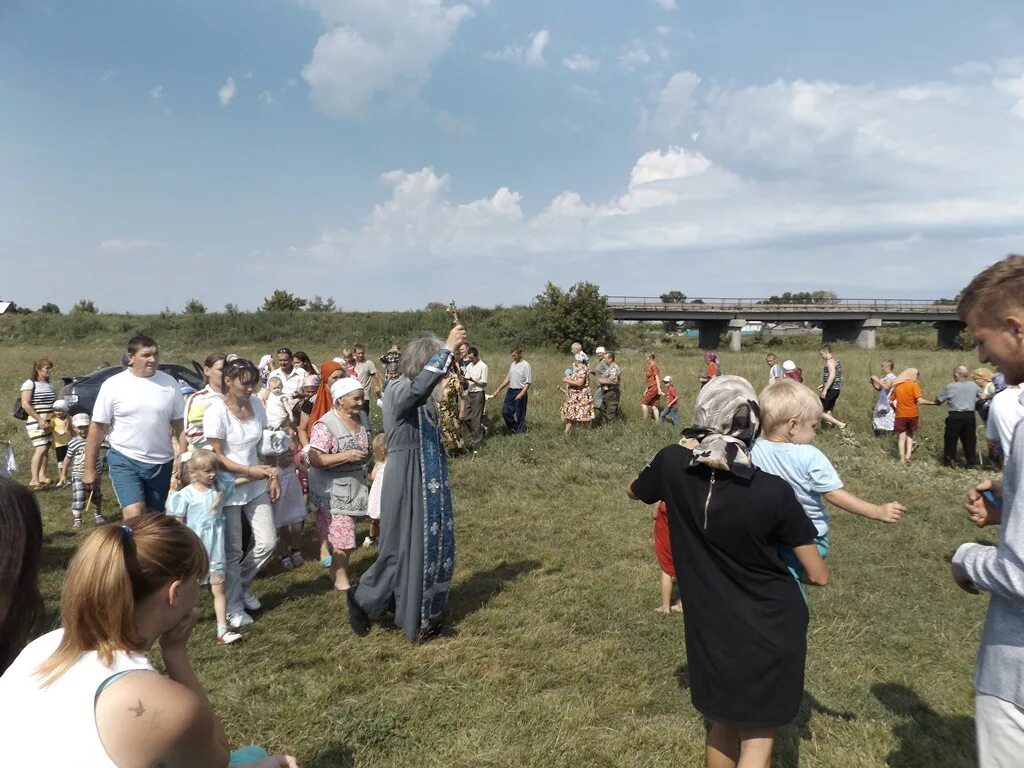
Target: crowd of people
215	486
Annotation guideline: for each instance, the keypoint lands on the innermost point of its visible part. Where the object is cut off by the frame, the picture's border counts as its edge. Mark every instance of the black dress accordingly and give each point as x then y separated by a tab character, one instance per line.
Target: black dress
746	621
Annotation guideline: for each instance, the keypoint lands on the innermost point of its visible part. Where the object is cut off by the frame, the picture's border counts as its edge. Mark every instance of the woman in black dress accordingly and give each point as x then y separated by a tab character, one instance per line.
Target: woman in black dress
745	621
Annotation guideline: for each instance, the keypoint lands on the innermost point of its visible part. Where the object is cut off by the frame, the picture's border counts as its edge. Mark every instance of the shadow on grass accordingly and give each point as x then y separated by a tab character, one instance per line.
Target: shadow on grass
332	756
479	589
296	591
925	737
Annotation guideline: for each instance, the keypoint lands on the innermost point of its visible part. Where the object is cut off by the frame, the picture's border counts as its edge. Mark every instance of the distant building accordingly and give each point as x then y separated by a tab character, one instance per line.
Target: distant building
8	308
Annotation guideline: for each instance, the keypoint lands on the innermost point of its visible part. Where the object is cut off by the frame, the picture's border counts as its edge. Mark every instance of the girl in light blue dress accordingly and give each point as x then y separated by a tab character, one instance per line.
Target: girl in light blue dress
198	505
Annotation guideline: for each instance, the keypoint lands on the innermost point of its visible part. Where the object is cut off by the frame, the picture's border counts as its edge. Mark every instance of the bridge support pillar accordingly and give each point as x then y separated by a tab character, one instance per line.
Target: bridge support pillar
709	333
736	334
859	332
949	331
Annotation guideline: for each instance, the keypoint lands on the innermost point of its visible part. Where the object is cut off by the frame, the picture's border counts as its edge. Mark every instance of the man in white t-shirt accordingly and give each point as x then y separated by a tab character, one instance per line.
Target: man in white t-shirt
291	376
1004	411
476	377
518	381
144	411
367	374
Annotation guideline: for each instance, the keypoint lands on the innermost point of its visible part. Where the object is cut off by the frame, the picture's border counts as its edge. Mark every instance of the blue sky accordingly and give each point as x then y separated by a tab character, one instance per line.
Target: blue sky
389	153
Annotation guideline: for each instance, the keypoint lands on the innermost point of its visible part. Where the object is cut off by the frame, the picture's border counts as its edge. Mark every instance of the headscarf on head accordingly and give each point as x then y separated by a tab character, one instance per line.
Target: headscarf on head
711	357
907	374
581	357
726	420
322	401
345	386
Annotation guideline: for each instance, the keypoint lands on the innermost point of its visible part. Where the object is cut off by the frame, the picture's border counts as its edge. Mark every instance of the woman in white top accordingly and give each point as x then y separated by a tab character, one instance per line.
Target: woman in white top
37	398
128	587
233	426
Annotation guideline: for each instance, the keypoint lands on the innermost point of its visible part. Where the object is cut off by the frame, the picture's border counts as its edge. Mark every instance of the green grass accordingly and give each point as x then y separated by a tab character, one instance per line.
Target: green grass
561	659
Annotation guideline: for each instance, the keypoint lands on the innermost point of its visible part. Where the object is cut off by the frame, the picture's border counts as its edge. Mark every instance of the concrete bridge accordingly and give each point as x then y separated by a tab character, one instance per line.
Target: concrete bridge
853	320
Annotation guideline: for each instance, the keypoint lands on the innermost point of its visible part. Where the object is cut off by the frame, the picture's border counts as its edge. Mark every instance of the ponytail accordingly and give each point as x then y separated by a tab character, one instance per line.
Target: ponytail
115	568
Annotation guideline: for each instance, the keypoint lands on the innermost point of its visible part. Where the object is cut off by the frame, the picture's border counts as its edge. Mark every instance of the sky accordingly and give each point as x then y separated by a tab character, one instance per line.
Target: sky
393	153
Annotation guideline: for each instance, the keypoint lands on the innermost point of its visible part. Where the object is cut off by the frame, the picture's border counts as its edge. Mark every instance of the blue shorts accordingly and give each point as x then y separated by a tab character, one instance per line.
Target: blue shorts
793	564
136	482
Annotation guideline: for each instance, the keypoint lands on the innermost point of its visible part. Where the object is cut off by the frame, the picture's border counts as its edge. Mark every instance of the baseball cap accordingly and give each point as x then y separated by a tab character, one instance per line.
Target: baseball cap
60	405
600	351
789	365
80	420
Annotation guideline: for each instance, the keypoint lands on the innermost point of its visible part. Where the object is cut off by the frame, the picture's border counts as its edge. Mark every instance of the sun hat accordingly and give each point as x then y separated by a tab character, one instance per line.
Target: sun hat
60	405
600	351
345	386
667	379
80	420
789	365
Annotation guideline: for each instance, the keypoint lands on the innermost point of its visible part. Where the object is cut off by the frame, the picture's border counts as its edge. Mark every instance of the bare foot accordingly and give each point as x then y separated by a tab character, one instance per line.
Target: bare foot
677	608
663	610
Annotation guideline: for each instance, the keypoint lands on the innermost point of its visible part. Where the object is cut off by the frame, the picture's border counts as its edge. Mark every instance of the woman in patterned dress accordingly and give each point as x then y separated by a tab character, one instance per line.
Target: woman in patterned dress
578	406
338	450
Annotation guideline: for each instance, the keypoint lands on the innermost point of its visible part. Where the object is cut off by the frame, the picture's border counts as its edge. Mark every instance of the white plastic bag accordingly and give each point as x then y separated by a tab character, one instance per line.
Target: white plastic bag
8	466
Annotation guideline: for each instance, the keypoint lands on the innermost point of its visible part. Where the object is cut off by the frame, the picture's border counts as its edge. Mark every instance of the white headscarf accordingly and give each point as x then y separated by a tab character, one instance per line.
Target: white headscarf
345	386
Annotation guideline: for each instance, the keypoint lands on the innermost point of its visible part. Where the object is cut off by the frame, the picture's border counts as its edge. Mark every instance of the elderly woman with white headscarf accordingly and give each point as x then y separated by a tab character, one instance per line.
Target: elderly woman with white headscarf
414	566
338	450
746	620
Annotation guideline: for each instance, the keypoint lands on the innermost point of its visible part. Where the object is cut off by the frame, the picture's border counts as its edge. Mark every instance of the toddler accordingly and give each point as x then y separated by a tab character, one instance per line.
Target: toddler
289	511
75	458
380	460
279	406
663	551
198	505
790	412
671	412
60	426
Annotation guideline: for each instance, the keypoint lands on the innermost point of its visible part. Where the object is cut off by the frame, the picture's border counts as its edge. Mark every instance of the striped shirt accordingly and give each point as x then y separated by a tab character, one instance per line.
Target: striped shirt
839	374
42	400
76	455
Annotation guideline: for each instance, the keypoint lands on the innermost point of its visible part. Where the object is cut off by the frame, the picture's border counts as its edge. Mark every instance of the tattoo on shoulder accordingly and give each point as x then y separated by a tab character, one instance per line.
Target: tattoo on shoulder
150	717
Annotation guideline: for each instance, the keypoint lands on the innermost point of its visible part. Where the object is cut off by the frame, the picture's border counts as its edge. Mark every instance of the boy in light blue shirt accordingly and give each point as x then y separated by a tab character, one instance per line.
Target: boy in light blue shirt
789	416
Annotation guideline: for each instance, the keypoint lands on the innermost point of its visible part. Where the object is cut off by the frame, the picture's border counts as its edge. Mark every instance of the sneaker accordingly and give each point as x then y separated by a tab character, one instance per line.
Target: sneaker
297	558
239	620
250	601
99	519
77	523
286	562
228	638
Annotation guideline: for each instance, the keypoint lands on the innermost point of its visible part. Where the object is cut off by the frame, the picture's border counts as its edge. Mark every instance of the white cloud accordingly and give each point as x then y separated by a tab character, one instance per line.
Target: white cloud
636	55
267	99
130	245
668	5
227	91
581	62
530	55
376	46
663	29
788	173
156	95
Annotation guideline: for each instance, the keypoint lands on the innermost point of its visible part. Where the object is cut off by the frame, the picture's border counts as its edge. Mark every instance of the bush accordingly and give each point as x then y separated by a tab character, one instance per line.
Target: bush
581	314
49	308
84	307
282	301
195	307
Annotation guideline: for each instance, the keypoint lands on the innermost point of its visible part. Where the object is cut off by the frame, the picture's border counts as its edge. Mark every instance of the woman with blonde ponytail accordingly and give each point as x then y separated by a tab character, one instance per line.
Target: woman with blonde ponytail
128	588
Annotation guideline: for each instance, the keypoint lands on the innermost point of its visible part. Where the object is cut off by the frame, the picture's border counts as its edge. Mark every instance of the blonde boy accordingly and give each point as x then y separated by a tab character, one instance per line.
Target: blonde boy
790	413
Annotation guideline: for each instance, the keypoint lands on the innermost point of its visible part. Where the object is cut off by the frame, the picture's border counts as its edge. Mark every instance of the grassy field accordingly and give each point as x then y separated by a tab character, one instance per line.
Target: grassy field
560	657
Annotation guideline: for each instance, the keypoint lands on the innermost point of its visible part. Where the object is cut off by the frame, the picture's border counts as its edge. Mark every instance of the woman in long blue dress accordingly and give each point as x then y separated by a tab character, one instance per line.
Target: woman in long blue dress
416	558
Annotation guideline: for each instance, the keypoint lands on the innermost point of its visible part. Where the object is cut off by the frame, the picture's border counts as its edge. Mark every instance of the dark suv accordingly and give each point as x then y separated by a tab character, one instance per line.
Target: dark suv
80	392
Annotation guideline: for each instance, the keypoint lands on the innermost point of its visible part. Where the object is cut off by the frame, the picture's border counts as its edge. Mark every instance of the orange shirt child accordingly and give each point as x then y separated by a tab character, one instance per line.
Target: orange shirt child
905	395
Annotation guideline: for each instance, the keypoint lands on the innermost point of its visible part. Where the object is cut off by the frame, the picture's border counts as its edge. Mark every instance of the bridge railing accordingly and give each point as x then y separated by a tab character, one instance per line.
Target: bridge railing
653	303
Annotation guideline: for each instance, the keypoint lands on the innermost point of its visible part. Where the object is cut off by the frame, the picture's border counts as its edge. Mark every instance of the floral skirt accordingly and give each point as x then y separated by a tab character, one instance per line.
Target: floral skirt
339	530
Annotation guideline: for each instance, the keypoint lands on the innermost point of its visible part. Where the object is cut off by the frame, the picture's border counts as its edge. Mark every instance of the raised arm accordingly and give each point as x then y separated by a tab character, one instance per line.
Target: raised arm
408	399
